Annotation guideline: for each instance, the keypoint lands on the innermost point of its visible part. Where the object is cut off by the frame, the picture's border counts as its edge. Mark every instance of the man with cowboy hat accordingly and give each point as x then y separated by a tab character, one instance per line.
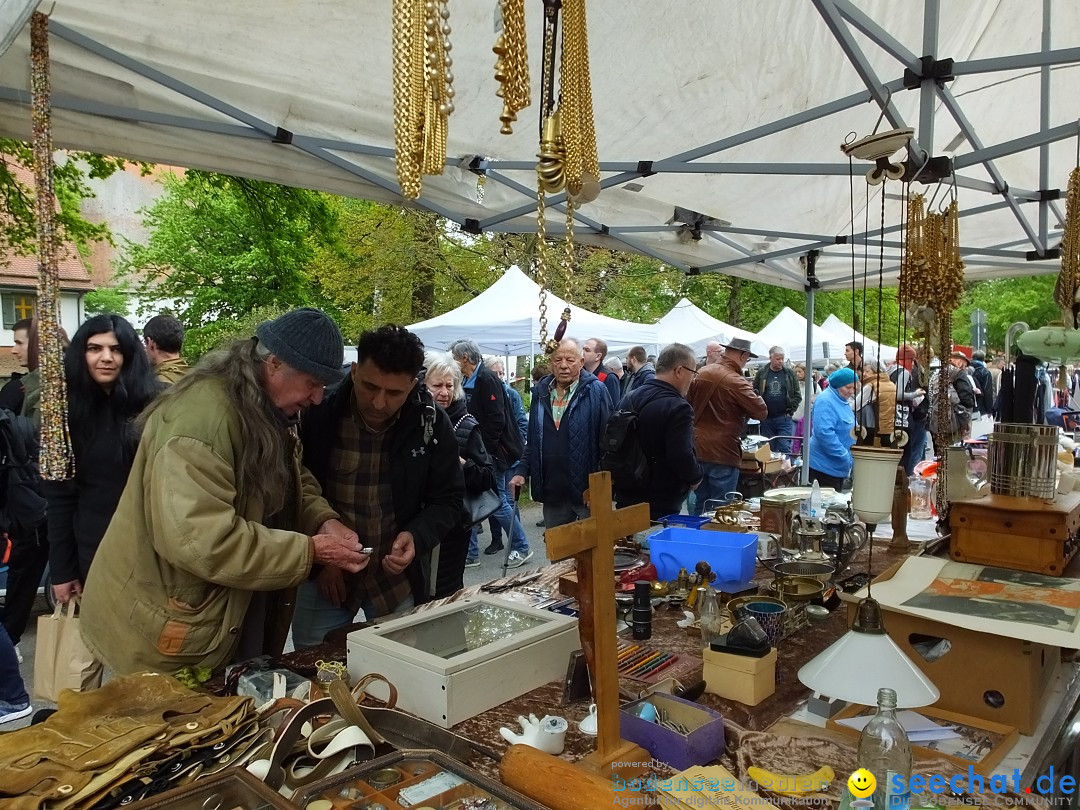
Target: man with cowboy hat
723	399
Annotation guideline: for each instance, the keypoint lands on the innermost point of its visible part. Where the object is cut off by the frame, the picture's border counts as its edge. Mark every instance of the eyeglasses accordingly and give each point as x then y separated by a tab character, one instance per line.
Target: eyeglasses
693	372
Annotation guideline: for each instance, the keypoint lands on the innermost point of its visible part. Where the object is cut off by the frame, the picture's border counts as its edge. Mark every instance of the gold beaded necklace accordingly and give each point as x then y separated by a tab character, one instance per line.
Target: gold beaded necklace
56	459
423	90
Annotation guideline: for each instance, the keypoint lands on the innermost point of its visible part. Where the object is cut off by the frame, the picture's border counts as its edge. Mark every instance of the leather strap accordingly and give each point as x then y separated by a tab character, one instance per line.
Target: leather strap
359	691
345	703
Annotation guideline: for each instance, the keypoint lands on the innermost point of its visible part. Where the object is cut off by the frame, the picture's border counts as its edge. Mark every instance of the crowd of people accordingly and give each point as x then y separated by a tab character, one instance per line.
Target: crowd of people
272	489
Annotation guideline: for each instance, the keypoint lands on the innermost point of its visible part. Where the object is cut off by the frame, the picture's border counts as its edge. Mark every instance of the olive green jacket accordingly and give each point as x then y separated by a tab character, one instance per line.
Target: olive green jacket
170	371
171	582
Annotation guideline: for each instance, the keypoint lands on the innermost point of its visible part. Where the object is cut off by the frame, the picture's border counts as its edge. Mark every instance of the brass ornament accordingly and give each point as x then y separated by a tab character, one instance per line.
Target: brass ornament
551	164
423	89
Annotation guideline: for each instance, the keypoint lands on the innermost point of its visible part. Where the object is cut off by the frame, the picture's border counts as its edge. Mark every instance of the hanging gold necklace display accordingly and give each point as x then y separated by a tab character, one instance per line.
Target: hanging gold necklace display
423	90
1068	283
56	458
931	288
512	65
567	158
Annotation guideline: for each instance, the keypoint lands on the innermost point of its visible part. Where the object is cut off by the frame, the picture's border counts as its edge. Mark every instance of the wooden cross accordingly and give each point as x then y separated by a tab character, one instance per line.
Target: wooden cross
592	544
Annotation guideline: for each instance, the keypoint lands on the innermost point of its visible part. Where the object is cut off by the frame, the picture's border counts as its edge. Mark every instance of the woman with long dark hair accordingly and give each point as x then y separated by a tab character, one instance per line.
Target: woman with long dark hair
109	382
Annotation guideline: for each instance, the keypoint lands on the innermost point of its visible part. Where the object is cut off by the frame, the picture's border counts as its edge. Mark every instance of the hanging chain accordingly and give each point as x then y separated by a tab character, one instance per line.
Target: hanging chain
1068	283
423	90
576	106
56	459
541	264
512	64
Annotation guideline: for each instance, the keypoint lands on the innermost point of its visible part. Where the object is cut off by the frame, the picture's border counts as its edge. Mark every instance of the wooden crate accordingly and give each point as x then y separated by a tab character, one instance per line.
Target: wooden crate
457	660
1019	533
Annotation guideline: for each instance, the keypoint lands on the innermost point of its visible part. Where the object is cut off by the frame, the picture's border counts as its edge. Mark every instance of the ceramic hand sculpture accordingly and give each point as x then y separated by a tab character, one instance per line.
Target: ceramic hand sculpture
547	735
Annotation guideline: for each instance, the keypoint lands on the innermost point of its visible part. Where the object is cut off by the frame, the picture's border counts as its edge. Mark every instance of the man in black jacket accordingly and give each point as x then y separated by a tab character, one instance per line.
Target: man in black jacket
387	461
486	401
666	433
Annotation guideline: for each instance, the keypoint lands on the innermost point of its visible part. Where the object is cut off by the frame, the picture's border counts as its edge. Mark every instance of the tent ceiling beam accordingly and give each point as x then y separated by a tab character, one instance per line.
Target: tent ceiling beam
975	184
882	38
1020	61
272	131
678	167
832	17
554	199
964	212
756	257
812	237
785	123
928	88
1044	124
1043	137
976	142
597	227
760	258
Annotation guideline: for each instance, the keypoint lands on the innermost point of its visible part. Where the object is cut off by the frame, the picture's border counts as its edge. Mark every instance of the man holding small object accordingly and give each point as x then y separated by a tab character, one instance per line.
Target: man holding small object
387	460
219	522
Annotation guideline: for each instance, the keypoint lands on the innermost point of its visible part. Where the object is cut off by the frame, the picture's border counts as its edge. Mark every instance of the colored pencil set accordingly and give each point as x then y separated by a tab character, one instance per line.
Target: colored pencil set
636	661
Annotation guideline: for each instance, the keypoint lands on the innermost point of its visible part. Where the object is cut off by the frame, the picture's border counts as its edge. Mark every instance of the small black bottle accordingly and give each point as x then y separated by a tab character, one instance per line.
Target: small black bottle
642	611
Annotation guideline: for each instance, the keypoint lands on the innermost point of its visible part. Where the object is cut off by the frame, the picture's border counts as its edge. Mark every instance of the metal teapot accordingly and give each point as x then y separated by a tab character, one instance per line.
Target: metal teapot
844	535
808	535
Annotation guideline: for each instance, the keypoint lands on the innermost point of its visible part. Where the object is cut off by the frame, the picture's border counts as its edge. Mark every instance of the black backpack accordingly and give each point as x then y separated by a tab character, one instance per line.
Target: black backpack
22	508
621	453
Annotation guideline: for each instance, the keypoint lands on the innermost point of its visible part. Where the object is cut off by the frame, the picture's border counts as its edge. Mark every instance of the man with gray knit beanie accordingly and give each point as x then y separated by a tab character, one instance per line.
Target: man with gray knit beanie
219	521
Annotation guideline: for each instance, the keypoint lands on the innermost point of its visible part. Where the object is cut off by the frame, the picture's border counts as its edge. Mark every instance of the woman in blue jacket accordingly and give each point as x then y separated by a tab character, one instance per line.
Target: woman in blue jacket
831	433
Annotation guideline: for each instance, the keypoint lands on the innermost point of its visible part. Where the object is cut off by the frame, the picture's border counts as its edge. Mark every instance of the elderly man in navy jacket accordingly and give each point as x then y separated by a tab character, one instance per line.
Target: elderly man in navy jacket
666	431
566	422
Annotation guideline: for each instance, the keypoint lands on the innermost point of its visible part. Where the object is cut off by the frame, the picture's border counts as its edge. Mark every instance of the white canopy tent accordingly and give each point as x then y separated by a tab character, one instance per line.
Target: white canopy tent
871	348
735	118
504	320
690	324
788	329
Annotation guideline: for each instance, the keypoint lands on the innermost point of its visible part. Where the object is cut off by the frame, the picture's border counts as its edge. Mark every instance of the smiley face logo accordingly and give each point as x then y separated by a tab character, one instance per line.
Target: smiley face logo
861	783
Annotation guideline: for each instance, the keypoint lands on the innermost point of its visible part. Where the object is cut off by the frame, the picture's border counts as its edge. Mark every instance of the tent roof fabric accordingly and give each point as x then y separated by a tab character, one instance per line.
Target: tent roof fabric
504	319
737	114
689	324
788	330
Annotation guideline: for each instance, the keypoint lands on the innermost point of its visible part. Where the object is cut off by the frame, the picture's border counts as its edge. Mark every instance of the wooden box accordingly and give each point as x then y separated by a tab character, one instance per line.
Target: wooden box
739	677
1019	533
703	742
996	678
457	660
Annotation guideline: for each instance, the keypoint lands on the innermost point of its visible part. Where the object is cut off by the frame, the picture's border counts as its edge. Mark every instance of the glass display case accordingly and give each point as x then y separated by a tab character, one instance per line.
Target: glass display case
230	789
463	658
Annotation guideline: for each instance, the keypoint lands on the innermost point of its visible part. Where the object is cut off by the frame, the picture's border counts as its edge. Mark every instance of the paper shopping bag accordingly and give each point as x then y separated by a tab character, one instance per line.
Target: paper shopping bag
61	660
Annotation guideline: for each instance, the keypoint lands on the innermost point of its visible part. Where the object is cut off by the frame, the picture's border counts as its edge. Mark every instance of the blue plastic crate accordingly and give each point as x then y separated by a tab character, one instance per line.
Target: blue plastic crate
687	521
732	555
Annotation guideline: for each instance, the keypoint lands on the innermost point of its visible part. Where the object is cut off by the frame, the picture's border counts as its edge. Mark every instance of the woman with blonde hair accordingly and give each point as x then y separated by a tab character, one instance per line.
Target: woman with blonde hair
458	549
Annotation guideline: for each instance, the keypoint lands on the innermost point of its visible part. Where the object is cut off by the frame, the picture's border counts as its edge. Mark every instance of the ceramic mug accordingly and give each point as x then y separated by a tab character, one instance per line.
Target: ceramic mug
766	546
588	723
770	616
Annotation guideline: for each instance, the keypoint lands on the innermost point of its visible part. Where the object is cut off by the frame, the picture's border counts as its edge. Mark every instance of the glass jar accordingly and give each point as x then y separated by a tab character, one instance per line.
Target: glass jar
921	490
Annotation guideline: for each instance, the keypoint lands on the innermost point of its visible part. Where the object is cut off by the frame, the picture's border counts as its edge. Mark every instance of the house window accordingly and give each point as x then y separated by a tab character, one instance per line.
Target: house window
17	306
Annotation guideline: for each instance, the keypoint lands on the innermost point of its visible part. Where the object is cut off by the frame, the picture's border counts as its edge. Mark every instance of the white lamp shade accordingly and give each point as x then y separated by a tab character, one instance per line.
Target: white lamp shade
858	664
872	481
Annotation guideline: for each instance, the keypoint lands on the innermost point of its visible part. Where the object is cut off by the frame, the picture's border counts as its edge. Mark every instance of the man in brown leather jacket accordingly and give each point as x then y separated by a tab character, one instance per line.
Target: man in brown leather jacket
723	399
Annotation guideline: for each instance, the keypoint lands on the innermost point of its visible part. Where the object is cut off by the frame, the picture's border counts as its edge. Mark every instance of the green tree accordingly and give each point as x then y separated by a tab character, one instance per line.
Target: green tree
392	264
224	246
107	300
1006	301
70	175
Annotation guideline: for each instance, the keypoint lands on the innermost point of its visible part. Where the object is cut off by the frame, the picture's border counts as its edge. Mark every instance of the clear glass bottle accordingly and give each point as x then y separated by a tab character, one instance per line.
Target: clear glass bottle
709	618
885	751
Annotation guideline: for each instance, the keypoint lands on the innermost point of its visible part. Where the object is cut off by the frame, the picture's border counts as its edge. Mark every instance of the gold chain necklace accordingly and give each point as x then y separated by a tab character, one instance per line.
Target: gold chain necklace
423	89
512	64
1068	283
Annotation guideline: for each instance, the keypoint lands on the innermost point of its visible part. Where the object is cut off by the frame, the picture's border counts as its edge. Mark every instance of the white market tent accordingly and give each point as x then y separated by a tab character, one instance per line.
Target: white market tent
788	329
690	324
731	112
504	320
871	348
